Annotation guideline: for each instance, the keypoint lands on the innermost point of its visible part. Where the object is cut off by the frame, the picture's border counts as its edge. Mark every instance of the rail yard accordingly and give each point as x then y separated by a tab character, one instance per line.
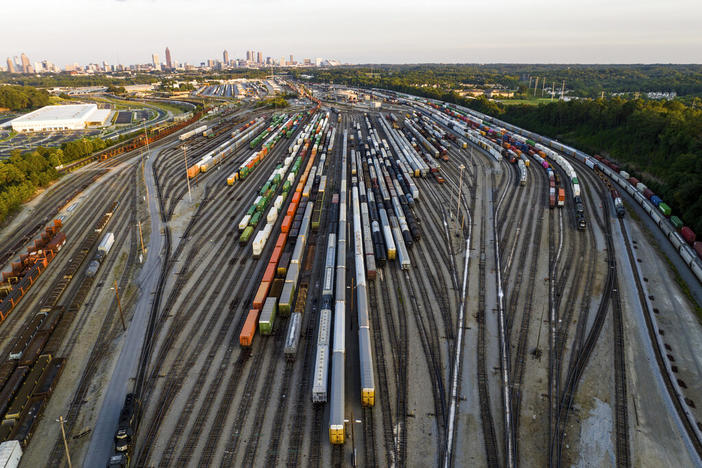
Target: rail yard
333	285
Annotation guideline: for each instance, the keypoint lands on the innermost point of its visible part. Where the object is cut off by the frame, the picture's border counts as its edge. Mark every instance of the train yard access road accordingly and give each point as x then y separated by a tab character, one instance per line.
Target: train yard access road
124	373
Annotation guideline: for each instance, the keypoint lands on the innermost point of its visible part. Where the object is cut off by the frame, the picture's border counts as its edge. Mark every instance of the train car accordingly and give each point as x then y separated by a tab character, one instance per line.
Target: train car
10	454
249	329
267	318
618	204
688	235
522	173
127	424
292	336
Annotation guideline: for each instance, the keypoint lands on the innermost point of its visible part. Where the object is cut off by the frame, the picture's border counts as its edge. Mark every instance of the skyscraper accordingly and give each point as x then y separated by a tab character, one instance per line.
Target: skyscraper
292	62
225	57
169	61
10	66
155	62
26	66
249	56
259	58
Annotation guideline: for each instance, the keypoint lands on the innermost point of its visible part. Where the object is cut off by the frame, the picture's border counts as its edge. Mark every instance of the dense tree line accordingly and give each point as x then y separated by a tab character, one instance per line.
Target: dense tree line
23	173
658	141
19	98
274	102
580	80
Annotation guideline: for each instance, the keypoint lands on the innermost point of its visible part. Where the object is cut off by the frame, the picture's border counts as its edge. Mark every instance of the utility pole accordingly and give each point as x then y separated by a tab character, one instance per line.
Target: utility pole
61	421
119	306
146	139
141	238
187	179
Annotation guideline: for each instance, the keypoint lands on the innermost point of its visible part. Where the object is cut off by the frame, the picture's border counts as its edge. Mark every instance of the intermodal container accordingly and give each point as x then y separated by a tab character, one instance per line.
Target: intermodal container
688	234
261	294
249	329
677	222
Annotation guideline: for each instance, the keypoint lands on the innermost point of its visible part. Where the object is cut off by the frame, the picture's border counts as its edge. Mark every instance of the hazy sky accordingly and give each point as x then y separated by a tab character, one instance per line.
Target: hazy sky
358	31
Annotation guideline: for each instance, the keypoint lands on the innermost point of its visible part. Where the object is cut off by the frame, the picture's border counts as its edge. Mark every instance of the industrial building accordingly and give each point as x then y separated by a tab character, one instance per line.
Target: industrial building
66	117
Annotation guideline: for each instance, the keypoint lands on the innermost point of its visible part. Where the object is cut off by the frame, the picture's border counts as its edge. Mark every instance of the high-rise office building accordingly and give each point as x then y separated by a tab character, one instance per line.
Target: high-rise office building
225	57
169	60
155	62
282	61
291	62
259	58
249	57
10	66
26	66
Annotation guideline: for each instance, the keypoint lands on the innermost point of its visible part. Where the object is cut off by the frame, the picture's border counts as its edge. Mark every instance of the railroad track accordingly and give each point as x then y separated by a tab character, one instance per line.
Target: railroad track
280	413
195	231
488	424
381	373
264	398
519	364
48	208
575	373
107	333
432	353
369	437
299	424
180	367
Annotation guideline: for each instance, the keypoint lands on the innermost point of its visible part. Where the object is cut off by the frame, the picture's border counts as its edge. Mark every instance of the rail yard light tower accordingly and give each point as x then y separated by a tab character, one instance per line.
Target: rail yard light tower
187	179
61	421
460	191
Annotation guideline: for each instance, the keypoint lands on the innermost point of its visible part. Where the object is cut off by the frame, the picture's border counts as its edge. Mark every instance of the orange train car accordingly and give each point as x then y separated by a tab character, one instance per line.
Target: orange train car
261	294
269	274
249	329
287	221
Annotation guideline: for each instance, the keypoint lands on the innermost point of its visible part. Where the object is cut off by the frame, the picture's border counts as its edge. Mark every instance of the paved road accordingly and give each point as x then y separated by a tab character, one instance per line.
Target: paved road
121	380
665	247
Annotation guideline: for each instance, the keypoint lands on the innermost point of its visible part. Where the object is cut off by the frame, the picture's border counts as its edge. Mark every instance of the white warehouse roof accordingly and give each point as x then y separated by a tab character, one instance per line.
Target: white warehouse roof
62	117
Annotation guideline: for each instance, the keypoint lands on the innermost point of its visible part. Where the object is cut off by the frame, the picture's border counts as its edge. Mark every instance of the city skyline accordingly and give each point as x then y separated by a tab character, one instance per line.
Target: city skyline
17	64
371	32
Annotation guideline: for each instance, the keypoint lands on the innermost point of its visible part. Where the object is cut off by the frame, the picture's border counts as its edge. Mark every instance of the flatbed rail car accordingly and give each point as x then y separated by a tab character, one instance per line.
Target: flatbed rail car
24	273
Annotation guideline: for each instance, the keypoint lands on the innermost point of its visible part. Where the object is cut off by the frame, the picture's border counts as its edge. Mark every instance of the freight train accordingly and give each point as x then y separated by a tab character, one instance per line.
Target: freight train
126	426
691	255
338	351
103	248
31	372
